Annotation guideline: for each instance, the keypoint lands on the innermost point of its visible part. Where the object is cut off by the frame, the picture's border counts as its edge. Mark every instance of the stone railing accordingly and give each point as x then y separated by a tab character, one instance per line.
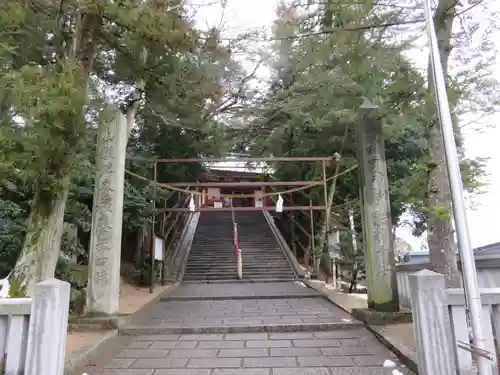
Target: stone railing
441	329
33	330
488	274
299	271
177	230
176	259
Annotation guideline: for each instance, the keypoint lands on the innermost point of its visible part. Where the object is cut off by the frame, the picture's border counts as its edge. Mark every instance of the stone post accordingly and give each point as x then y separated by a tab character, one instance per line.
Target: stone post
431	324
334	248
106	236
48	328
376	215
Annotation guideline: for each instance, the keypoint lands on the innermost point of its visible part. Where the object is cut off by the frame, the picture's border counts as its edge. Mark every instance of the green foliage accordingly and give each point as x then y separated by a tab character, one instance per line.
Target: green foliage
70	247
13	213
11	234
319	82
52	94
312	107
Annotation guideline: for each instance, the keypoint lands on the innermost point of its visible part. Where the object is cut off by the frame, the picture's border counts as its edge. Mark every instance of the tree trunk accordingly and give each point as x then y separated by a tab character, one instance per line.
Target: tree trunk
40	252
440	230
138	247
354	277
42	242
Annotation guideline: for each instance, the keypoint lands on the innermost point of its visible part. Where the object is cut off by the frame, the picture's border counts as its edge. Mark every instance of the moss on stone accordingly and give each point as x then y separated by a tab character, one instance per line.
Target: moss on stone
388	306
16	291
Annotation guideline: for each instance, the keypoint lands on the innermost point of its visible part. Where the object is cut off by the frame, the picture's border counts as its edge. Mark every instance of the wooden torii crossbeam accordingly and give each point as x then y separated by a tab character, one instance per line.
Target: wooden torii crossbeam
265	208
248	160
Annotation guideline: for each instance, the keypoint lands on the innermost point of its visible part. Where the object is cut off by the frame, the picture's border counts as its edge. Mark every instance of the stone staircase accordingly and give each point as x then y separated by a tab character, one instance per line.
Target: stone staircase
212	256
263	257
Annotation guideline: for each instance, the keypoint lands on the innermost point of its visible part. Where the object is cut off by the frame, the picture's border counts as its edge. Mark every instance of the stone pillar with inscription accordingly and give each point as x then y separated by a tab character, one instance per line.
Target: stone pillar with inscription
376	211
105	243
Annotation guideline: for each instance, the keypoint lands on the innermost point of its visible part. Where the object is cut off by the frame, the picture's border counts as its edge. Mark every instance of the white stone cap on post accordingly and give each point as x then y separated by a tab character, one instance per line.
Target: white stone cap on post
368	105
48	328
431	322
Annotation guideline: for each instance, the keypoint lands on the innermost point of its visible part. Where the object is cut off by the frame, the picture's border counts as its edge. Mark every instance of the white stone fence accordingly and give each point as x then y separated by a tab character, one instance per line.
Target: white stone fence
33	331
442	336
488	275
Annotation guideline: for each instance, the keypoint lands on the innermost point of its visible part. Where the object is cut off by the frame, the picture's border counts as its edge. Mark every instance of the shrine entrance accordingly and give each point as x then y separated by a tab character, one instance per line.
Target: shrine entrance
244	184
240	197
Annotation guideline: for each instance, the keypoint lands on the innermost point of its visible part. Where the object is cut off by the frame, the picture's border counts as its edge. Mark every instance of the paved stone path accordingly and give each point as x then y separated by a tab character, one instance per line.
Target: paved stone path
241	290
348	351
342	352
242	312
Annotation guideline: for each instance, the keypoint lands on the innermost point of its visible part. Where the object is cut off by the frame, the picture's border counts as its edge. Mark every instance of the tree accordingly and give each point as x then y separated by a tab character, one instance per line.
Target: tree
59	68
329	56
48	92
465	87
439	225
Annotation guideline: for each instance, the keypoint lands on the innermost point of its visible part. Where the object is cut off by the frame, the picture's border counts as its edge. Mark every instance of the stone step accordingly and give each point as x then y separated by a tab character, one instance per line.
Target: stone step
215	245
131	330
232	256
214	236
267	245
224	254
232	275
214	231
278	264
215	251
232	252
244	281
212	256
233	270
209	262
270	246
203	265
231	248
255	265
225	266
215	227
249	236
249	255
213	242
216	256
247	271
232	259
230	268
208	278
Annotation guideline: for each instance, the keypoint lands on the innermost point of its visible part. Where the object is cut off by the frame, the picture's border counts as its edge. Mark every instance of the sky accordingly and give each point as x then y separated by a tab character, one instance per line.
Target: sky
242	15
